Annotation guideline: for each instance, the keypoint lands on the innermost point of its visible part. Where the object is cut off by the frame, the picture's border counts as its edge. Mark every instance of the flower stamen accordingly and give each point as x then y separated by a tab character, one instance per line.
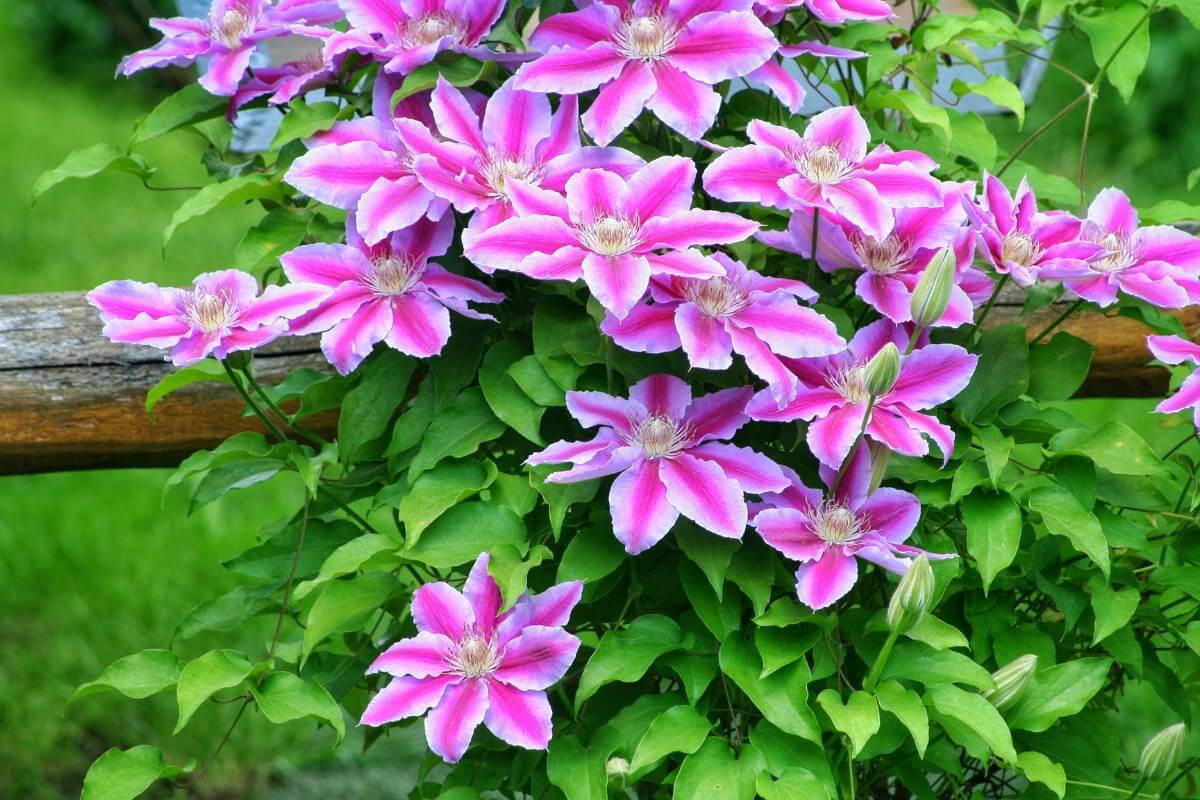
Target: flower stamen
648	38
716	297
394	274
211	312
610	236
475	656
660	436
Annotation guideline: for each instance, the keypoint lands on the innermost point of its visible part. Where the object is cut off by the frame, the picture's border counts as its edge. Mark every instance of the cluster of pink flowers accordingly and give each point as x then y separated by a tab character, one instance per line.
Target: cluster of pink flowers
544	204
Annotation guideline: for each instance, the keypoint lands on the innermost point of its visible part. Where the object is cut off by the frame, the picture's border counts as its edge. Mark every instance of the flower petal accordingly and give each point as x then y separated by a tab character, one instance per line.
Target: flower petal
932	375
719	415
647	328
421	656
406	697
756	473
702	492
685	104
662	394
483	593
831	437
790	531
892	513
452	722
420	325
789	328
692	227
596	409
661	188
618	282
750	174
515	121
537	658
508	244
641	514
703	338
326	264
721	45
619	102
568	70
824	582
349	342
440	608
520	718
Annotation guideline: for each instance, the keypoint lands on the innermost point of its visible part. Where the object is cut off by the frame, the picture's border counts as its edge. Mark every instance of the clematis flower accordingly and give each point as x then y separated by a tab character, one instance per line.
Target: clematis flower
827	532
388	292
229	36
828	168
1149	263
222	313
284	83
664	55
363	165
608	230
1176	350
516	137
832	395
892	266
665	446
831	12
405	35
1018	240
744	312
470	663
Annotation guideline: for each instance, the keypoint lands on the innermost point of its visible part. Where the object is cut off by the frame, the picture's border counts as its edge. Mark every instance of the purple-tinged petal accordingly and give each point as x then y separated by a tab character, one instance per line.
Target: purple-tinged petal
148	331
225	71
325	264
790	531
1173	349
340	174
661	188
703	338
193	348
565	264
892	513
756	473
420	325
528	200
831	437
618	282
887	294
571	71
780	83
553	607
685	104
1162	292
391	205
789	328
406	697
442	609
593	193
749	175
824	582
663	395
842	128
614	159
1113	212
1175	247
702	492
577	29
906	186
520	718
508	244
607	462
341	304
646	328
720	45
349	342
537	658
127	299
179	26
685	264
596	409
455	117
619	102
641	515
891	430
932	375
483	594
1187	396
691	227
808	404
452	722
383	17
928	425
516	121
718	415
282	303
858	201
573	452
448	285
424	655
765	364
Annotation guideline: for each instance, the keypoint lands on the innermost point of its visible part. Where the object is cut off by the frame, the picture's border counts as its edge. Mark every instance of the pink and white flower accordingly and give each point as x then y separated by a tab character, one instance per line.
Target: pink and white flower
229	36
831	12
609	231
664	55
1018	240
387	292
742	311
515	138
284	83
833	397
1176	350
665	446
828	169
892	266
222	313
828	532
1151	263
405	35
470	663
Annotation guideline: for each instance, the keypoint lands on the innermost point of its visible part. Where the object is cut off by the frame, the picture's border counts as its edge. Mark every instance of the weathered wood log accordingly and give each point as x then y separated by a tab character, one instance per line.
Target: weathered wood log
70	399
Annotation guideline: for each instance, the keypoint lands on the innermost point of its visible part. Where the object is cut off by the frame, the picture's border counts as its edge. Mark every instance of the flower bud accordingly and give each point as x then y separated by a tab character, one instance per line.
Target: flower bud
617	770
912	597
882	371
1011	682
932	295
1161	754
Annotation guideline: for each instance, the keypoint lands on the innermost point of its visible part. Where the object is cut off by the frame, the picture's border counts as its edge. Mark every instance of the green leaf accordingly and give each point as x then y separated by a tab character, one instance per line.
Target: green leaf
913	105
455	68
139	675
513	491
1120	38
907	707
977	714
272	560
564	341
997	448
91	161
510	569
1041	769
350	557
858	719
465	531
533	379
697	670
681	729
506	398
626	654
779	647
561	496
1169	212
971	138
1059	691
1059	367
1115	447
302	120
714	773
1001	376
999	90
920	662
576	770
207	370
993	532
368	408
457	431
235	475
782	696
228	611
125	774
439	489
276	233
711	554
283	697
1113	609
203	677
218	195
937	634
344	605
1063	515
190	104
592	554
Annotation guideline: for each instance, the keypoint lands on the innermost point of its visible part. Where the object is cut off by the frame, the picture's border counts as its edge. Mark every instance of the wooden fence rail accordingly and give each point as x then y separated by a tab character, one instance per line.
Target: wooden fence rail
70	399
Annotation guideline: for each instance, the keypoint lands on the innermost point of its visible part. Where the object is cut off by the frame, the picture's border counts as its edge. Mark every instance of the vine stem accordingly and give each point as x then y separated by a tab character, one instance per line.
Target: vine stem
1061	318
1180	446
862	432
812	253
287	590
278	412
1136	789
987	308
1033	137
880	661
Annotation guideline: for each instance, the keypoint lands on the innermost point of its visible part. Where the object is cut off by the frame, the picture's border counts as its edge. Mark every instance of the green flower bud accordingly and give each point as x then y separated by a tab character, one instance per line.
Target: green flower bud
912	597
882	371
932	295
1161	754
617	771
1011	682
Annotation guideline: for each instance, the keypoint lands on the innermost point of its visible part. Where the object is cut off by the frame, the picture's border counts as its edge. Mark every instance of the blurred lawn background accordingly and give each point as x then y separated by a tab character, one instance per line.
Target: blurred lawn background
93	567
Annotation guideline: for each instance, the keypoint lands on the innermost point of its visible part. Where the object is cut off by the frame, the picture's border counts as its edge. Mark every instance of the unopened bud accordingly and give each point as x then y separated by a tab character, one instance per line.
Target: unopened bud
617	770
932	295
882	371
1011	681
1161	754
912	597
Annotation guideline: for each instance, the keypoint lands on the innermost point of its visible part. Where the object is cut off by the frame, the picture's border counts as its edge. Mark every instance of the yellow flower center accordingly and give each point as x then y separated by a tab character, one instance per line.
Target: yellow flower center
823	165
646	38
498	170
211	312
851	384
837	524
609	236
660	436
431	28
1119	254
882	258
716	297
475	656
231	27
1019	248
